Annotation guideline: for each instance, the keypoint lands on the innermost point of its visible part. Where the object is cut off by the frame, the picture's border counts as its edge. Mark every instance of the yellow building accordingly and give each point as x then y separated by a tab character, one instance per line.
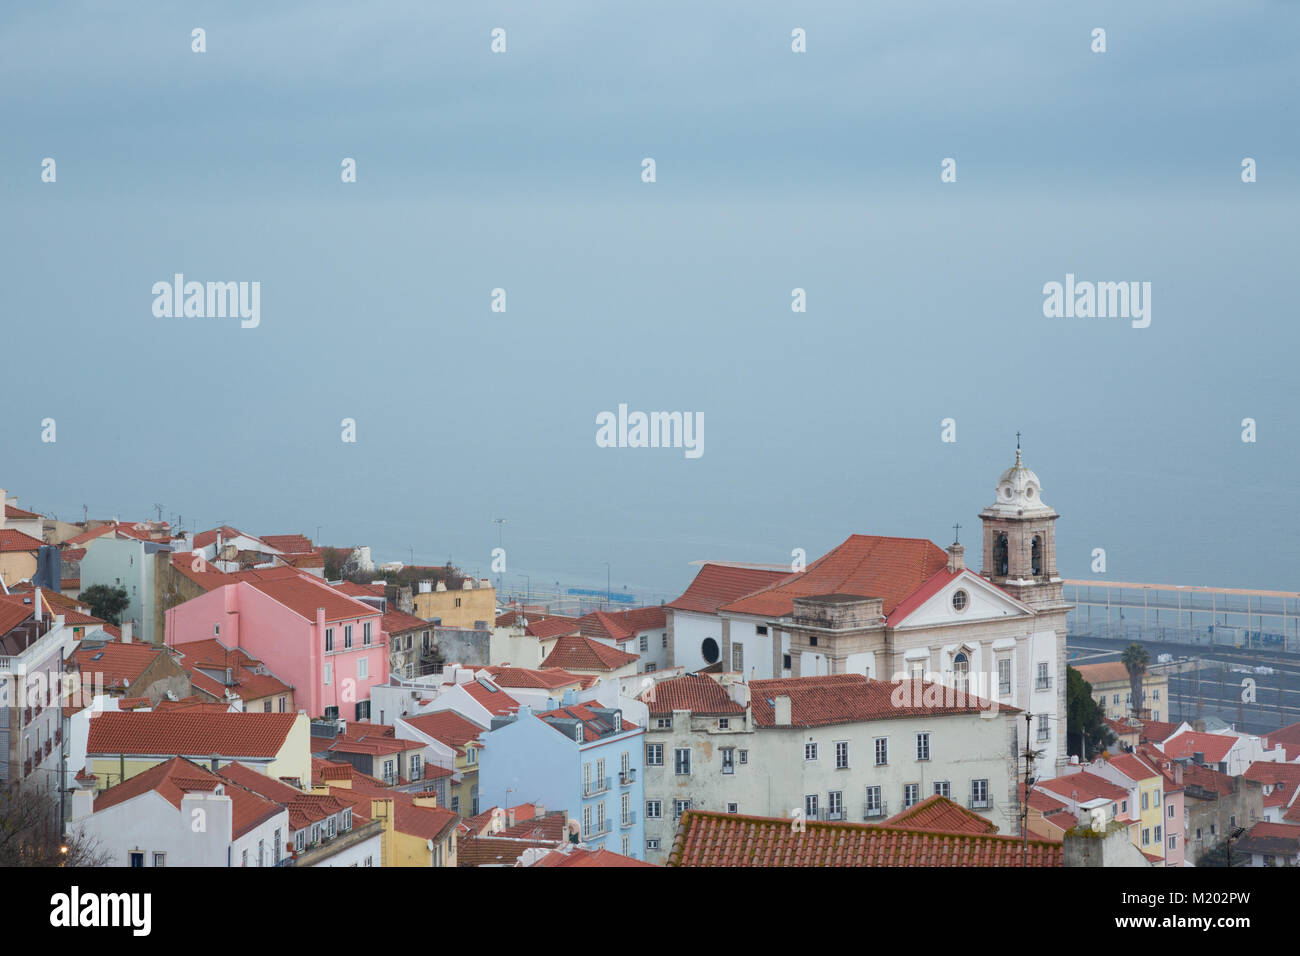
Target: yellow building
18	553
1149	835
465	607
121	744
1112	690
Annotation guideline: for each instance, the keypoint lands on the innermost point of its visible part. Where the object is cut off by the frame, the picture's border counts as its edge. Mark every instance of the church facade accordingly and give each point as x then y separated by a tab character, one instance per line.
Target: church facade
904	607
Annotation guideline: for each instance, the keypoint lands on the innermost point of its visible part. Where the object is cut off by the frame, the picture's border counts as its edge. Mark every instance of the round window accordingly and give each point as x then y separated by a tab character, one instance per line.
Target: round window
710	650
959	600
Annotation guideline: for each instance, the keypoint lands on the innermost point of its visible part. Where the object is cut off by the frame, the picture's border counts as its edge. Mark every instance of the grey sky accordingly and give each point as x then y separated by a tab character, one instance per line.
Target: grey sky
775	170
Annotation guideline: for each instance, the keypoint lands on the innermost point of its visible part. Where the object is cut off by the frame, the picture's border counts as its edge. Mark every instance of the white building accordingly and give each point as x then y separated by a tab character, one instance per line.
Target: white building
836	747
180	814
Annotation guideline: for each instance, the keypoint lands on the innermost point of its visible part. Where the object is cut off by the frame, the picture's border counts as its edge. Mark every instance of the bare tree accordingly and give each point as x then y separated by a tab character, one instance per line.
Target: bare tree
29	833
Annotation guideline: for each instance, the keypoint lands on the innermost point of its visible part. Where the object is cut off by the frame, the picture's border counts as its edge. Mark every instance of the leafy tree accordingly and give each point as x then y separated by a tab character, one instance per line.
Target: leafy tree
29	833
1085	730
106	602
1135	660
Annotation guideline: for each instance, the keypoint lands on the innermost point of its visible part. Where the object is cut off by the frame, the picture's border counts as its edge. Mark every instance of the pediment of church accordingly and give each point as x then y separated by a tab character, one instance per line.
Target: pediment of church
979	601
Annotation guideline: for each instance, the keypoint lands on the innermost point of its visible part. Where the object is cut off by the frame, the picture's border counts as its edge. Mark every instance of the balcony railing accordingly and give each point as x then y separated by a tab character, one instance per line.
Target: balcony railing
870	812
600	829
27	767
826	814
630	819
979	803
593	787
627	778
1043	683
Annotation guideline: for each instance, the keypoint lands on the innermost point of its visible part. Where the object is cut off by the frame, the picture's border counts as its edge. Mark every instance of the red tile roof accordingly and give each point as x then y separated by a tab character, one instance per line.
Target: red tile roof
1214	746
1157	730
1107	672
11	615
398	622
188	733
1219	784
847	698
719	584
548	679
288	543
11	540
447	727
592	723
1289	738
1271	839
1281	779
13	511
1133	767
941	815
497	702
576	856
552	627
865	565
693	692
428	823
733	840
120	664
303	594
586	654
174	778
1084	786
600	624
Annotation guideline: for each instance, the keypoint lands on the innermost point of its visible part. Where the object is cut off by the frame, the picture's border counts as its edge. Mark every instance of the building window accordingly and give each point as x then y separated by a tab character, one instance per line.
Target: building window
1044	730
160	859
785	662
665	644
744	756
1155	695
917	670
874	807
363	669
365	632
810	751
979	794
943	788
682	761
389	775
347	636
650	667
586	821
911	794
882	751
415	766
733	808
663	723
1004	676
1146	836
922	746
652	844
266	706
680	807
653	809
960	599
328	674
627	845
728	760
1173	843
835	805
1155	797
455	804
329	639
644	643
1171	811
724	723
737	657
1157	835
300	840
1115	699
458	602
810	807
1146	801
283	703
841	755
961	672
332	711
654	755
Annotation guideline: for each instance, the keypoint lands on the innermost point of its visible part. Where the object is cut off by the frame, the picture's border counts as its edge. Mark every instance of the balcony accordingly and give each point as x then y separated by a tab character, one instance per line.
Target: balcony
827	815
600	829
627	778
27	767
875	812
1043	683
630	819
49	745
592	787
979	803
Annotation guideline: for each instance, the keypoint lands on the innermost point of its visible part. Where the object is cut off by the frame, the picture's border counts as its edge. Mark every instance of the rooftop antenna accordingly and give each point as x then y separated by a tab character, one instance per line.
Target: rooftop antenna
159	509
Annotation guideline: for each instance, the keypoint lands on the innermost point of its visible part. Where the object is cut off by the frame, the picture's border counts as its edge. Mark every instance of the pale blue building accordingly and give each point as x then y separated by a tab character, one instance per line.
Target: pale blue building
584	759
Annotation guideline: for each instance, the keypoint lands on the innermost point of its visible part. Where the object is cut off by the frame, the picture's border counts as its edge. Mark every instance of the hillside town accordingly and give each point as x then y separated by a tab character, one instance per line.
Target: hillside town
888	704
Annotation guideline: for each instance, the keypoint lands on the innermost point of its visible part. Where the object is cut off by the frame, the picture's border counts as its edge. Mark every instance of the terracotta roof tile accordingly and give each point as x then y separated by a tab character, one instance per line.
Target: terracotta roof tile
693	692
584	653
288	543
865	565
941	815
447	727
188	733
1215	747
733	840
11	540
719	584
847	698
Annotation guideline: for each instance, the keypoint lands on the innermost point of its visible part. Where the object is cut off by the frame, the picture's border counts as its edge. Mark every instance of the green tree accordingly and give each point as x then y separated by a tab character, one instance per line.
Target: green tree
106	602
1085	731
1135	660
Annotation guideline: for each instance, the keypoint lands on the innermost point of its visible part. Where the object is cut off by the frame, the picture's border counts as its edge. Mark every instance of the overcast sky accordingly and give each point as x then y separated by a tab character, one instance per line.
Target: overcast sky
775	170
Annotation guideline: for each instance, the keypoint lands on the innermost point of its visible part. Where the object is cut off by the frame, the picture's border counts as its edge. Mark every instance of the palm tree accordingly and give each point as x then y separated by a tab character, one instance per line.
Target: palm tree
1135	660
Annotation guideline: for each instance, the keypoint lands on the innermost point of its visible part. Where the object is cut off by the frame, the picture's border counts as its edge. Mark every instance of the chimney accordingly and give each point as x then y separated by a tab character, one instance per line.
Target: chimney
36	605
782	711
740	693
956	557
127	628
510	817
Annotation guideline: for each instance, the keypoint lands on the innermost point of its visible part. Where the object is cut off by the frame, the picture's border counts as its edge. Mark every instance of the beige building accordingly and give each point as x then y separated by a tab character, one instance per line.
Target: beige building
473	606
1113	691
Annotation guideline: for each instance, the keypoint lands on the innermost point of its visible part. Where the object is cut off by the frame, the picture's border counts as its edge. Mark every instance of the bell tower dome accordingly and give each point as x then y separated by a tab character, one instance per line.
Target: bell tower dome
1020	538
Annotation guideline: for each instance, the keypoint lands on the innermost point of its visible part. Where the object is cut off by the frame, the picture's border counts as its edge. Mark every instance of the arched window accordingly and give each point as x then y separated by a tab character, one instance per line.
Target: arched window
1000	554
961	672
1036	554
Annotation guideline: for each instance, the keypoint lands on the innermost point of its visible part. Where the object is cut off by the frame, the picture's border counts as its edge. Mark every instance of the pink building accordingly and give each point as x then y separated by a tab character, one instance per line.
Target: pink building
327	645
1175	812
